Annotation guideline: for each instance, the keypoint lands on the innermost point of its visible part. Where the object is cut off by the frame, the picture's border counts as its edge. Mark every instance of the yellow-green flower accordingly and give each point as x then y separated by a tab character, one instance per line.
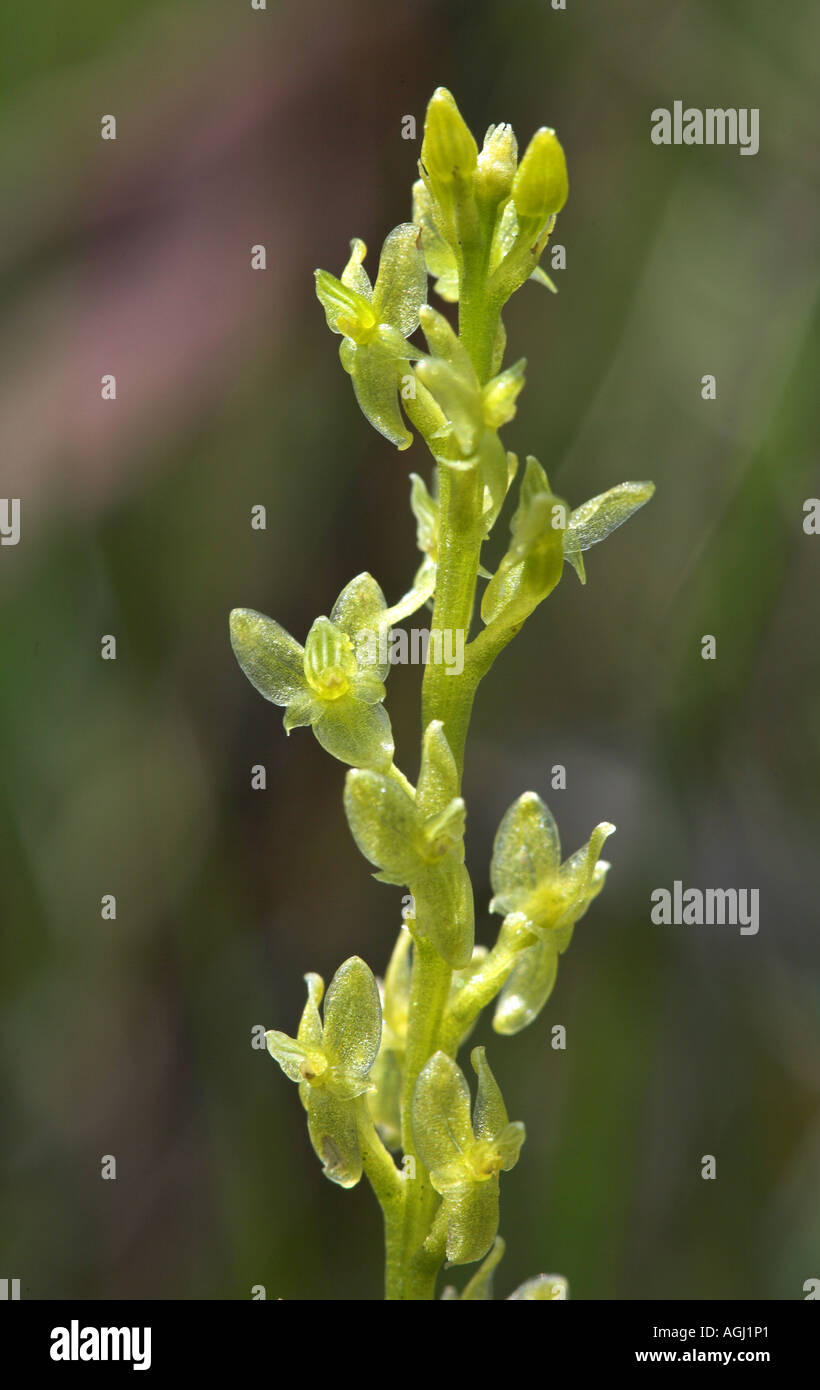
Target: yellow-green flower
331	1063
375	320
543	895
335	683
464	1156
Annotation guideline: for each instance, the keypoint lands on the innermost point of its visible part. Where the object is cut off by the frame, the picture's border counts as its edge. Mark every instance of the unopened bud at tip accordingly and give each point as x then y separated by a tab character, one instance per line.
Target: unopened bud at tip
541	186
448	150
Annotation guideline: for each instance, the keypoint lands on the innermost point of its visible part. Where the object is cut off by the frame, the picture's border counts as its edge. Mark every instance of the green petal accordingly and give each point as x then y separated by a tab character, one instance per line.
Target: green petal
347	354
397	986
447	285
382	820
472	1221
596	519
426	511
438	777
490	1113
452	1180
439	255
302	711
334	1135
356	733
527	850
268	655
368	687
578	882
344	308
401	284
354	275
375	381
288	1052
527	989
505	235
508	1144
481	1284
353	1018
310	1025
443	832
440	1113
495	475
359	612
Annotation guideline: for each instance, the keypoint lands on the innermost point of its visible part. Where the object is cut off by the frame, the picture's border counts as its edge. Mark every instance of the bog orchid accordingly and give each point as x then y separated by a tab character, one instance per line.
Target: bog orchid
377	1071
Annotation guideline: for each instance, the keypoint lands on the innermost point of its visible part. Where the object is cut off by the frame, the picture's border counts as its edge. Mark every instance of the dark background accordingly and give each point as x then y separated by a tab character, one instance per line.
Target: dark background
132	777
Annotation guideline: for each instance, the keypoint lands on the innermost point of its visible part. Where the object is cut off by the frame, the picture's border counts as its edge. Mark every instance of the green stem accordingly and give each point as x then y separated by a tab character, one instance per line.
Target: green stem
422	1272
477	317
449	697
389	1187
429	990
485	984
445	694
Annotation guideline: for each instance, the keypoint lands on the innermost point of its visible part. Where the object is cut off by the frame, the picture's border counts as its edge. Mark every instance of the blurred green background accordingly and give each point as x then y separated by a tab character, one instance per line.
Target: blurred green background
132	1037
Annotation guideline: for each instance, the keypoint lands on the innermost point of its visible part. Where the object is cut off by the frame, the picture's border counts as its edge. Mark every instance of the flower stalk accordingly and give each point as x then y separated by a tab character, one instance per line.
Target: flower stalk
376	1062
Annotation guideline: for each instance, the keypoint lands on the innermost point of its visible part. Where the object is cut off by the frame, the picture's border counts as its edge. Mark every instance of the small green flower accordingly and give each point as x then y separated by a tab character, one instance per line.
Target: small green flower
420	843
464	1157
547	897
375	321
534	561
331	1062
335	683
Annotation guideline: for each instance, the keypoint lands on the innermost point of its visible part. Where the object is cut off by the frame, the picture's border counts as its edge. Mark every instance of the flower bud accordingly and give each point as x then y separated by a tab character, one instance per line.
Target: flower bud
540	187
500	394
448	151
497	164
